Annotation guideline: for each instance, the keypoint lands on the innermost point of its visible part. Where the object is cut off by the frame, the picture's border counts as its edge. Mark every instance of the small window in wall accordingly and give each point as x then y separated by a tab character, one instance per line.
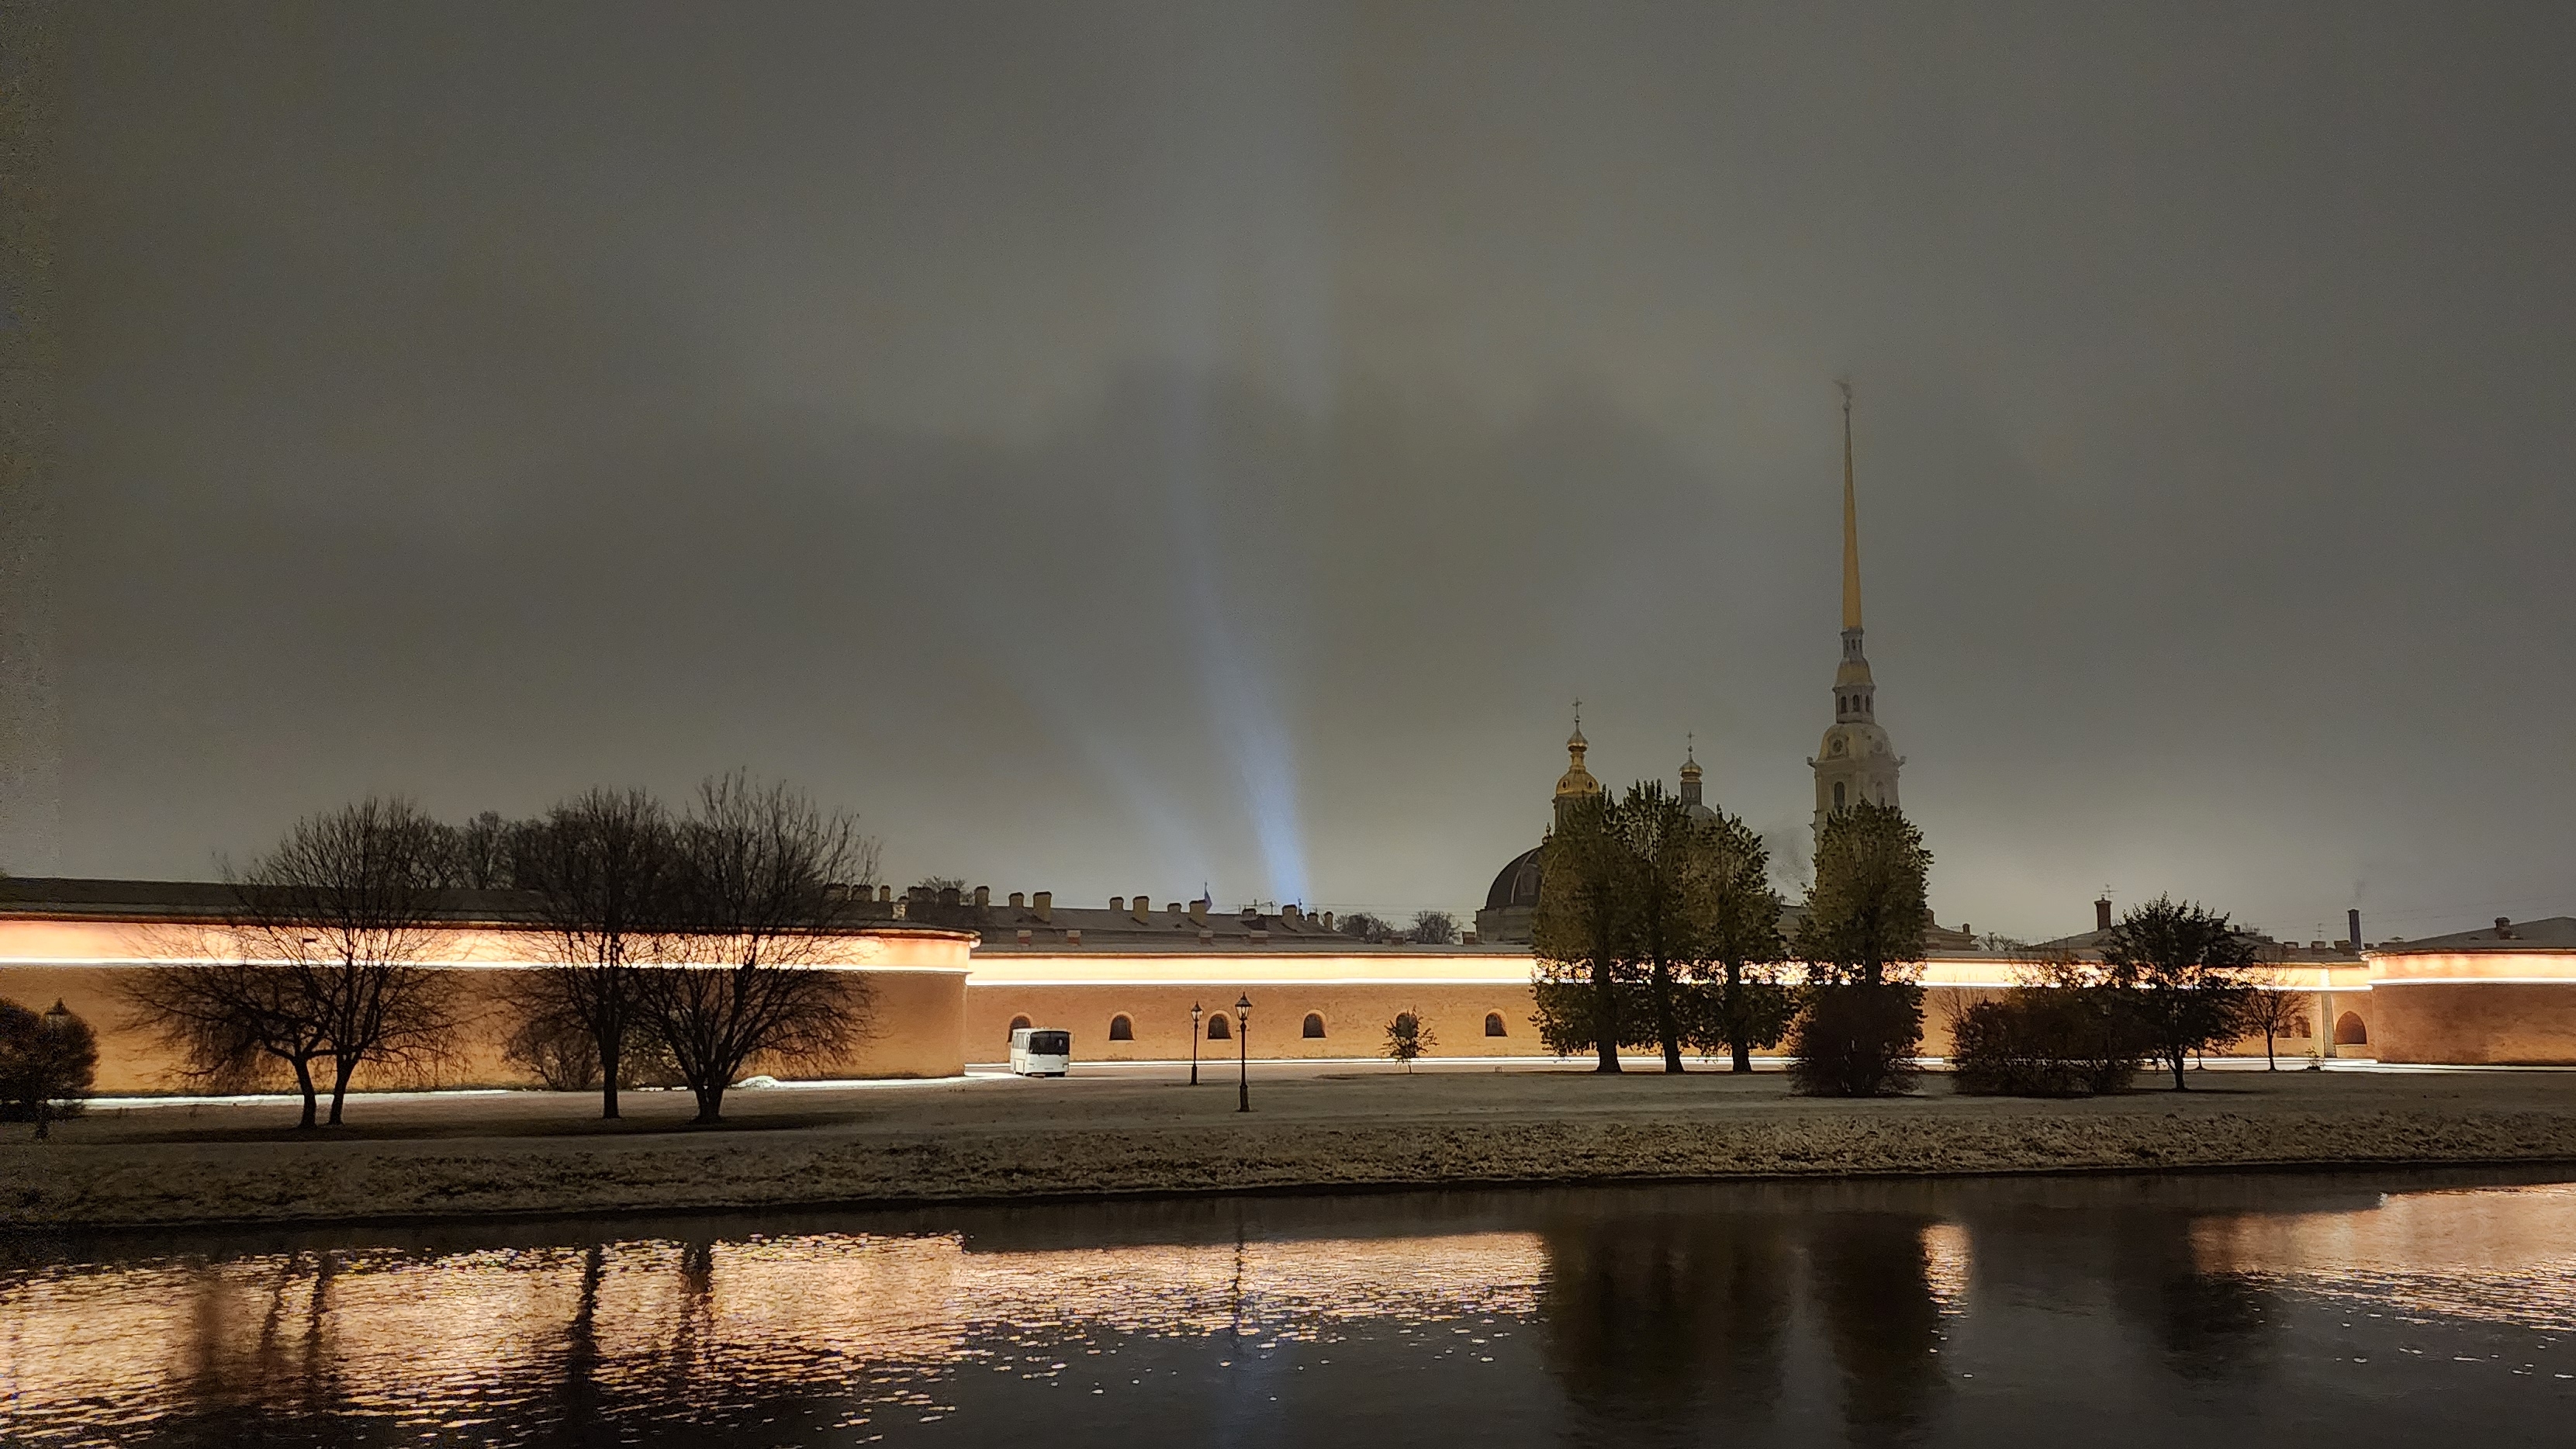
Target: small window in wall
1494	1024
1121	1029
1017	1023
2349	1031
1838	794
1314	1026
1218	1030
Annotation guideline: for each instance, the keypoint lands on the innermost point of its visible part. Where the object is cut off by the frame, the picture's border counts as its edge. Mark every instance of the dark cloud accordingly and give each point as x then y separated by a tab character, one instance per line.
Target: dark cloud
1120	447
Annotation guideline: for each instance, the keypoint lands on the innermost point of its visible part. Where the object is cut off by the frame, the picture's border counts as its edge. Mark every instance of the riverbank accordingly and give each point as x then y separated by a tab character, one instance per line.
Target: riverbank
527	1153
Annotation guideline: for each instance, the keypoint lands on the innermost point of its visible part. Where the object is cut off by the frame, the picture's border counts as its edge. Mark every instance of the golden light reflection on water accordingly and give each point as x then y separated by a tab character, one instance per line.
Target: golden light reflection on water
1618	1306
2496	1256
388	1332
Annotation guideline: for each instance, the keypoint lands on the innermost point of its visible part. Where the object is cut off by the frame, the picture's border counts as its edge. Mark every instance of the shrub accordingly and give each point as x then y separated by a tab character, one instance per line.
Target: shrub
46	1068
1857	1040
2045	1041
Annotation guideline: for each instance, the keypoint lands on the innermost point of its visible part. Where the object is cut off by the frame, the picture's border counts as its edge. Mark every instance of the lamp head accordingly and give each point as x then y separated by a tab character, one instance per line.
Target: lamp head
58	1018
1242	1006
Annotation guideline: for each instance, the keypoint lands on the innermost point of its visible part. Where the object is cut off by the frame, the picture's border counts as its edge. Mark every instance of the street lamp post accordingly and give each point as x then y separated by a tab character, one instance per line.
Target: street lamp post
1194	1043
1243	1053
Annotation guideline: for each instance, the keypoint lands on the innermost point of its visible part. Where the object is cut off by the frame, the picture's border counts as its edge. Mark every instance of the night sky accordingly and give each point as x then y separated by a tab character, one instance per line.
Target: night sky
1116	449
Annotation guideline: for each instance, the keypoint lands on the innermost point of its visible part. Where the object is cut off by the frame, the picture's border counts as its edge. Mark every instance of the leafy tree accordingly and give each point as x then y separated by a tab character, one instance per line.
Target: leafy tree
1578	936
763	888
1865	920
2276	1011
1433	928
1373	929
2189	974
1407	1037
603	871
47	1064
1745	1008
1664	868
1869	904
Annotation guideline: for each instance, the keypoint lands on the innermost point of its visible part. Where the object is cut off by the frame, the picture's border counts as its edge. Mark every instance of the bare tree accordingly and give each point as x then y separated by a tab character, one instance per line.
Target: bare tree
2273	1010
602	871
479	853
318	957
1433	928
231	1023
349	902
764	889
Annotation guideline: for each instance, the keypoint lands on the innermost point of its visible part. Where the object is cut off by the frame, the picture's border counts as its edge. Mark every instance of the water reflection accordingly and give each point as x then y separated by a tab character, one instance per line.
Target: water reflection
1921	1313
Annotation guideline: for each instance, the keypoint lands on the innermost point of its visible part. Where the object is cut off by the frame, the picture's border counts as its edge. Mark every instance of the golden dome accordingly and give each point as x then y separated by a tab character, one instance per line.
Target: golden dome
1576	780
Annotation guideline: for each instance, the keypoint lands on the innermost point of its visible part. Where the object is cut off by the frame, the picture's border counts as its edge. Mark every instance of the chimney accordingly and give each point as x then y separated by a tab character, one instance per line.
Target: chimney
1118	904
1174	911
1144	910
885	895
1044	904
1199	910
1288	914
983	897
1018	900
2101	913
1328	920
2504	928
948	895
2352	924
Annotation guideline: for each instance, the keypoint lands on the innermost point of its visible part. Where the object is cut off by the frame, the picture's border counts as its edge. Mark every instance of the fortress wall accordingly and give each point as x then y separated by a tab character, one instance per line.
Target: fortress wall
1355	1016
918	1019
2475	1022
917	978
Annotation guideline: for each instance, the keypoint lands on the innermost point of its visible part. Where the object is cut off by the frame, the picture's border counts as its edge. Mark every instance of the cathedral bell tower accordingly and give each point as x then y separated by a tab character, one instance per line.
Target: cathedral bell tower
1855	762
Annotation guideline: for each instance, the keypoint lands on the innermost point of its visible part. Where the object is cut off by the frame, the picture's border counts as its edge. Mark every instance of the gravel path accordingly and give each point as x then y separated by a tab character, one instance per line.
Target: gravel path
532	1153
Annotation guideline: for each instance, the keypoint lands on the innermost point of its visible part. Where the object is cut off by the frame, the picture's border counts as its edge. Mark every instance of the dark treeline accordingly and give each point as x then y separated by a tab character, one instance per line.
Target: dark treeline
1656	929
676	947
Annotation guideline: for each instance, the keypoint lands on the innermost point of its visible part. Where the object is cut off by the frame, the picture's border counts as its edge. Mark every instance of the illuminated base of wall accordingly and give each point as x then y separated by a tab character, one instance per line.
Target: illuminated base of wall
919	1021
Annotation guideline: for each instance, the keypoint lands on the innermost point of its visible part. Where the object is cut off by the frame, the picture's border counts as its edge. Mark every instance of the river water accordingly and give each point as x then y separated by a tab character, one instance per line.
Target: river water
2380	1309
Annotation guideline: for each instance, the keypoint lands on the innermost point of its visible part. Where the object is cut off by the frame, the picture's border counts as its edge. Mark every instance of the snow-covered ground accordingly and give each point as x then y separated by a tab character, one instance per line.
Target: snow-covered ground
982	1137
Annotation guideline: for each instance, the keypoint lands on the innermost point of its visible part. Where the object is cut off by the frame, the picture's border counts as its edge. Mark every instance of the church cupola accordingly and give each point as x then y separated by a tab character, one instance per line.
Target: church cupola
1692	804
1577	782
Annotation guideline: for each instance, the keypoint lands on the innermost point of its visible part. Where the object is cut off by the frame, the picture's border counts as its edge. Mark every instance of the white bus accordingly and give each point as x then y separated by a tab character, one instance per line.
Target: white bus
1038	1051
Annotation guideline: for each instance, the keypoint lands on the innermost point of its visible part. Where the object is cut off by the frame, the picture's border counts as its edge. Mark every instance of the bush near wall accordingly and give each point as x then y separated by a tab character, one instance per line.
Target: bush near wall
1857	1040
2045	1041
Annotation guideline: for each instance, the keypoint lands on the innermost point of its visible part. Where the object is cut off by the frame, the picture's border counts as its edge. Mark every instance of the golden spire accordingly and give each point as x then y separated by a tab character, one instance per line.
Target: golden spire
1851	519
